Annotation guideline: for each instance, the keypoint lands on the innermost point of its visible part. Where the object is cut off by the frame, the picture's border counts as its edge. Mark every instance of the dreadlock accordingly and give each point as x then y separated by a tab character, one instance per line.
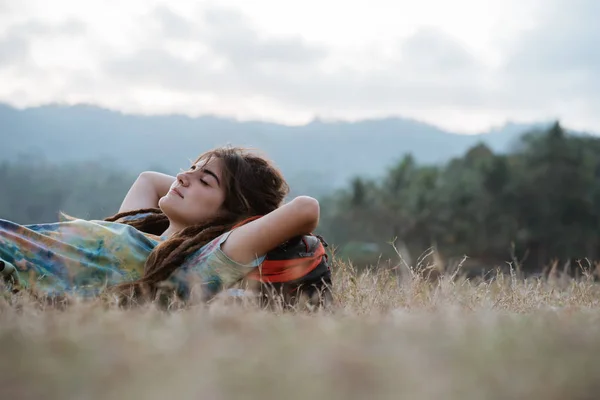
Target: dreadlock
155	223
253	186
169	255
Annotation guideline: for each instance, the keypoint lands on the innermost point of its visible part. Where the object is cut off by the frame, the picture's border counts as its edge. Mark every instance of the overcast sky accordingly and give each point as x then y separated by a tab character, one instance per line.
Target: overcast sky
463	65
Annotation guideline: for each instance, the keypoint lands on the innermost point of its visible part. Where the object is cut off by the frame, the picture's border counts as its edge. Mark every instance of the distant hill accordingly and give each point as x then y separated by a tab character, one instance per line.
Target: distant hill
315	157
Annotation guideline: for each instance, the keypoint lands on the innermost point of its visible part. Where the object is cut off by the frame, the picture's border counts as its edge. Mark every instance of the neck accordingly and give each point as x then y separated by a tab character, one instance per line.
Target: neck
171	230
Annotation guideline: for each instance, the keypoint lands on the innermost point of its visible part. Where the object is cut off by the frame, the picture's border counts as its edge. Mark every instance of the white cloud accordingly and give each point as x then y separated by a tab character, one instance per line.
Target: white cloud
462	65
15	45
234	58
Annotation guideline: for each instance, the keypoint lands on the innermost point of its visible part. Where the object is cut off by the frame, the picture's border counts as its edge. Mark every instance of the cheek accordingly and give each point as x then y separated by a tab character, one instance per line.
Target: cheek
215	199
204	200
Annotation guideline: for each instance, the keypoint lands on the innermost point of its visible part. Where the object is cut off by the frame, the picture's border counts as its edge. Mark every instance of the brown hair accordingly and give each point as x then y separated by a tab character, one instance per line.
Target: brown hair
253	186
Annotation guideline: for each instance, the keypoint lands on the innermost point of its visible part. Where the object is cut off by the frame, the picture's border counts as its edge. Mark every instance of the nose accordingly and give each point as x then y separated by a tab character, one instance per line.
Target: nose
182	178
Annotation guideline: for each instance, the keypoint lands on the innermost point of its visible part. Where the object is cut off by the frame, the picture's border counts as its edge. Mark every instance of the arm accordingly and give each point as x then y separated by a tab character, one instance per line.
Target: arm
298	217
147	189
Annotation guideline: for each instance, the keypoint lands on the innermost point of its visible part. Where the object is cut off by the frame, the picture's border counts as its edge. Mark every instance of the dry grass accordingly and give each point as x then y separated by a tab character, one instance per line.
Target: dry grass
386	338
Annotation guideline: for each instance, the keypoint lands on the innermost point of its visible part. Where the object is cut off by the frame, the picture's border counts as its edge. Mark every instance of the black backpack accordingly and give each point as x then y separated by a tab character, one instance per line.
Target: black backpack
296	273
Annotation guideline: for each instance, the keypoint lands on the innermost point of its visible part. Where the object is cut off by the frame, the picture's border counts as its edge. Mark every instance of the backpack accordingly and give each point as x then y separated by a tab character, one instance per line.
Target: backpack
297	271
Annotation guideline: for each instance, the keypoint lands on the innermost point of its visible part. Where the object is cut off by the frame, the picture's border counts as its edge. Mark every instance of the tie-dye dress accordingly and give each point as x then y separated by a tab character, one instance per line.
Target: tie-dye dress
81	257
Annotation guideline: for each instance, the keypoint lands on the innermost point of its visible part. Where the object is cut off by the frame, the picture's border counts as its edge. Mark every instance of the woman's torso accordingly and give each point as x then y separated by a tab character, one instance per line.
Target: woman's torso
75	255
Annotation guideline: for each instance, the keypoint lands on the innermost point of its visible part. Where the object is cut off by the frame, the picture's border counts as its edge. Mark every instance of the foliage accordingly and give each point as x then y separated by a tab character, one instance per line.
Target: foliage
36	191
538	204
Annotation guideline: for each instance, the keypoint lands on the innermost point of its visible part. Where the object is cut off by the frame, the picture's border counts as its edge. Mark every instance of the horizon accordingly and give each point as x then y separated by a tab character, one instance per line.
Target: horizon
315	119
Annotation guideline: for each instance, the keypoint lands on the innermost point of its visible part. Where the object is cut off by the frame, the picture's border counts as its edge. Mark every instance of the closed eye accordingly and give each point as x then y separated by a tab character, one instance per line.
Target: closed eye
194	167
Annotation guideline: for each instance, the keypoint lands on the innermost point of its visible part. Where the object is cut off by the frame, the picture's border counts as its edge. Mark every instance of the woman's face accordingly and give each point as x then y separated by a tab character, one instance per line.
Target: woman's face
196	195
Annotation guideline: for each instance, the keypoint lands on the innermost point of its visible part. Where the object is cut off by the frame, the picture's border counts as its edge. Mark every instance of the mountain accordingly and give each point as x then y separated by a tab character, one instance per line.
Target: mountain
315	157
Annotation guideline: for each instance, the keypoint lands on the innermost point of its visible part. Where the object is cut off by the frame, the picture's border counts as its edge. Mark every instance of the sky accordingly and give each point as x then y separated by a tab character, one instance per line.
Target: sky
465	65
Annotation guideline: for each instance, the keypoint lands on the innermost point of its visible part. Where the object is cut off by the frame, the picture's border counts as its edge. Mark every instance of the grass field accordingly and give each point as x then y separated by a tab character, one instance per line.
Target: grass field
386	338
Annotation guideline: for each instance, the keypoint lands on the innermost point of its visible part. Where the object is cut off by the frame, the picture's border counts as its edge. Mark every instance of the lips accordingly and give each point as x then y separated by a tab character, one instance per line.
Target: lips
177	192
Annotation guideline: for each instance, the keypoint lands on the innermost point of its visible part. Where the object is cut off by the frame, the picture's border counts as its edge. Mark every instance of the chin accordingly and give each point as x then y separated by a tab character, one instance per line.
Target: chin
166	206
171	210
161	202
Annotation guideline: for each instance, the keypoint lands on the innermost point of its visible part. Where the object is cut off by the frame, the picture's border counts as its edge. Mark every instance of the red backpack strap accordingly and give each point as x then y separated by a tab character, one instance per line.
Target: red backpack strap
273	271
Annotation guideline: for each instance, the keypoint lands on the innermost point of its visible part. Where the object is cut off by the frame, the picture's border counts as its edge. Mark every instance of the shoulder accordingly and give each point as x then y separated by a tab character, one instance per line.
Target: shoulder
213	251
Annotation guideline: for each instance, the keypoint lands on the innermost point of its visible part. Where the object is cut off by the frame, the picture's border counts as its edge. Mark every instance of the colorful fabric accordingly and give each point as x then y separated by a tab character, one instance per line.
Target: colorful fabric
82	257
211	270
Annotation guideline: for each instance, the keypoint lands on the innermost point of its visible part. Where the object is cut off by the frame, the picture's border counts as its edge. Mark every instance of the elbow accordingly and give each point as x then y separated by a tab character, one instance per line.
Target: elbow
146	175
144	178
309	209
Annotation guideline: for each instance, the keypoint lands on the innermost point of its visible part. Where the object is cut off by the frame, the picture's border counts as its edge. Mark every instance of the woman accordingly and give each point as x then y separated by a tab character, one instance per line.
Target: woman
167	231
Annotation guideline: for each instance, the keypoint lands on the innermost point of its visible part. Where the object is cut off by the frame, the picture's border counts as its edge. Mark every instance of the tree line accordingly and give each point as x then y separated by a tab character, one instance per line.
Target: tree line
537	205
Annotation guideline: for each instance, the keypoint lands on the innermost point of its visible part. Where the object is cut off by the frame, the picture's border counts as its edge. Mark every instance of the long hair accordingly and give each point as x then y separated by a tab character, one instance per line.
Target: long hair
252	185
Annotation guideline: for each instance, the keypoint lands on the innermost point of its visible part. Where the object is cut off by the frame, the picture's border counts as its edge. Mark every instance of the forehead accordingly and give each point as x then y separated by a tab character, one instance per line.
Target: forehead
215	164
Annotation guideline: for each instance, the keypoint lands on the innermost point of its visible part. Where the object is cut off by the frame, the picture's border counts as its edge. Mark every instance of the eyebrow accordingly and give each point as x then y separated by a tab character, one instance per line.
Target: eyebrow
209	172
